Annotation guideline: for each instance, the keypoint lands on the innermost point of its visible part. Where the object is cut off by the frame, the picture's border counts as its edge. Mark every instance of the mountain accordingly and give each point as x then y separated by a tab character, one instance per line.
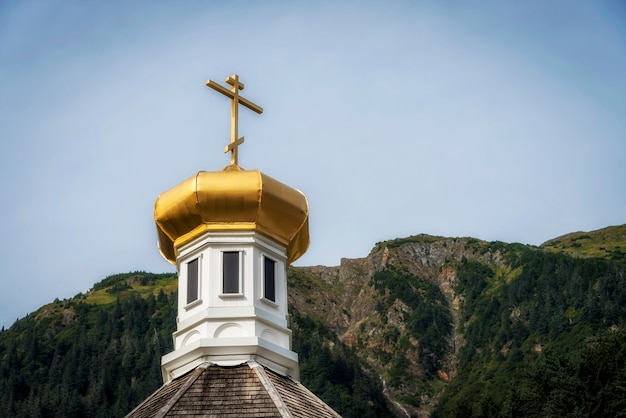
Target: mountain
422	326
607	243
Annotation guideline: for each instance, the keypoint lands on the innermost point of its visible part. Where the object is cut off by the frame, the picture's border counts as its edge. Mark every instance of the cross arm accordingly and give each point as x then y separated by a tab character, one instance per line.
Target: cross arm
247	103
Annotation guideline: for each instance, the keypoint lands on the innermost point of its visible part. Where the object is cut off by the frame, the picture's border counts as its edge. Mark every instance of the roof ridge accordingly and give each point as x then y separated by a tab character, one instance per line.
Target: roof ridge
324	404
181	391
270	388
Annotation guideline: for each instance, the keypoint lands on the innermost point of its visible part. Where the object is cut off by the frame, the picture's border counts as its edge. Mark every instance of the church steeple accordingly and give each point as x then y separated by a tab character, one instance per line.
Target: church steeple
232	234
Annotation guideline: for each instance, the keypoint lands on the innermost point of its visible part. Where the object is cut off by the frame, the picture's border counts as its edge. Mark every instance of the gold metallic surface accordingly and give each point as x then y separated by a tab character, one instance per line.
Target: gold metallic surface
232	200
236	99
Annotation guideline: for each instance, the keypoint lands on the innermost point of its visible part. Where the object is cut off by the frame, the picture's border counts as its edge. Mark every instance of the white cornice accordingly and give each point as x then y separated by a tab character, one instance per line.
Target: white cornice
235	314
229	352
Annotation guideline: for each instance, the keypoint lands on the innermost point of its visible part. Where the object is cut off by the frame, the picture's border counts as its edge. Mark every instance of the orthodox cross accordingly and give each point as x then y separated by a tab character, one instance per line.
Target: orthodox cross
236	99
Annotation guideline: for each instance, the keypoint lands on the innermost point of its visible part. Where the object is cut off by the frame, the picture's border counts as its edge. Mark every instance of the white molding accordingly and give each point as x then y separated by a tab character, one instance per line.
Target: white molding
269	302
193	304
227	314
189	336
235	238
231	296
229	352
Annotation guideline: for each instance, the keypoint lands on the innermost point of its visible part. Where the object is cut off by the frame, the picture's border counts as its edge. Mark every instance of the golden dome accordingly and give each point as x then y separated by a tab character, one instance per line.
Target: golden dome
232	200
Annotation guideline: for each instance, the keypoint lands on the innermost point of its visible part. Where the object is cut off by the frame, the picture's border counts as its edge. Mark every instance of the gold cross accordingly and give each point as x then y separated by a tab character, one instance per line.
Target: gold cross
236	99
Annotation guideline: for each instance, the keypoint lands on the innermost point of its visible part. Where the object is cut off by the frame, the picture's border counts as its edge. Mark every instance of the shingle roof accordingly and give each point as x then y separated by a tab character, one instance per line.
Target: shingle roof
246	390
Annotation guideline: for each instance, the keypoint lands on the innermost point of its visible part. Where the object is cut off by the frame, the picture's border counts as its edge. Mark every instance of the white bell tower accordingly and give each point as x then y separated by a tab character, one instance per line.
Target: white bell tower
232	235
232	304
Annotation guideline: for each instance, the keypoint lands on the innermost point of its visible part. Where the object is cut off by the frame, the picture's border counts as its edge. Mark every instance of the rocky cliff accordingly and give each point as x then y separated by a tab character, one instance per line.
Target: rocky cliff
411	309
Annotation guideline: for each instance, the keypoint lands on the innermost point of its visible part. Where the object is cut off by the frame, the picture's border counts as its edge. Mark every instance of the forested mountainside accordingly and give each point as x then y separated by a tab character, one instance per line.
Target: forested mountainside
422	326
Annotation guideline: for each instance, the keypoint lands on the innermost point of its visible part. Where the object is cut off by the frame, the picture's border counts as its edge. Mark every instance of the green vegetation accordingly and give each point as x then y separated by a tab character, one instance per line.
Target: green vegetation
98	354
394	243
427	320
608	243
529	344
81	357
465	328
137	282
332	370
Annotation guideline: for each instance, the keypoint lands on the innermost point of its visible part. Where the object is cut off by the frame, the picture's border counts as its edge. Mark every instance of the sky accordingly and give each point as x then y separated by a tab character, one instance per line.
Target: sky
498	120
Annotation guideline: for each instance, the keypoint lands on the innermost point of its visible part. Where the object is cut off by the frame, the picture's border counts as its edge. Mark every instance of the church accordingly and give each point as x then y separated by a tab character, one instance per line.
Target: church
232	234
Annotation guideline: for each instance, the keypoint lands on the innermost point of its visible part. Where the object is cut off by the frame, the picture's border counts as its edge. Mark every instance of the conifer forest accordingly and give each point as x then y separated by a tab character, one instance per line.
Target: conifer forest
422	326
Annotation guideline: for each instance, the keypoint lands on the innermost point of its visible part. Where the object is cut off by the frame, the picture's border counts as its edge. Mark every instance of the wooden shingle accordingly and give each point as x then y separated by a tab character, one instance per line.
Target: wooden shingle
246	390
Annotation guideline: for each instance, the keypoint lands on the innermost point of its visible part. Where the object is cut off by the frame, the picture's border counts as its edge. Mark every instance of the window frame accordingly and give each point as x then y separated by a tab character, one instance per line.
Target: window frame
239	279
274	289
198	282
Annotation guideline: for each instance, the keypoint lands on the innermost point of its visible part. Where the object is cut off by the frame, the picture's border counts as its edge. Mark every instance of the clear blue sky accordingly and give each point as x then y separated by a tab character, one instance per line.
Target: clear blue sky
500	120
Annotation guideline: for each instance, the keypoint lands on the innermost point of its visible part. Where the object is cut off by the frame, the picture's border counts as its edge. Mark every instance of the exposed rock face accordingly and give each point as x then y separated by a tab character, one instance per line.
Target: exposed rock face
378	324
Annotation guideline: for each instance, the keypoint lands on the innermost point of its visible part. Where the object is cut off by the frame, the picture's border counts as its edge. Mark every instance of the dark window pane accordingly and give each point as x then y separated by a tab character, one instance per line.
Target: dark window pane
192	281
269	279
231	272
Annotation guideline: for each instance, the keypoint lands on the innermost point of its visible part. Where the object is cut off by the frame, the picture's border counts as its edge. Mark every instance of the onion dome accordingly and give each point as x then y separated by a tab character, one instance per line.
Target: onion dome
232	200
